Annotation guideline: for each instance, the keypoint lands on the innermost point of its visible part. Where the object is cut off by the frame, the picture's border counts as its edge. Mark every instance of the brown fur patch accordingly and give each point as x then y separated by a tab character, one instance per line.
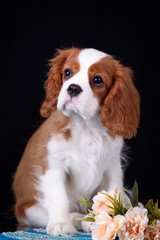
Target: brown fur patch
34	162
104	69
67	133
20	209
121	107
72	63
117	96
53	83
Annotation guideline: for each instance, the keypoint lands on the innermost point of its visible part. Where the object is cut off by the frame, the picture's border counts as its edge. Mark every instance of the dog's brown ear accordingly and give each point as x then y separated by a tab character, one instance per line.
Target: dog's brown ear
53	83
121	110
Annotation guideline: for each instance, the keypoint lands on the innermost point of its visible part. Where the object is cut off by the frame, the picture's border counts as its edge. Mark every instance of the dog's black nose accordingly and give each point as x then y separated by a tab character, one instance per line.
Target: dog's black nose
74	90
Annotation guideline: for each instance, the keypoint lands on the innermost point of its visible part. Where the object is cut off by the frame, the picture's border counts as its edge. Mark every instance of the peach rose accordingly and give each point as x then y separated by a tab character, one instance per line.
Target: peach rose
153	232
106	227
135	224
101	202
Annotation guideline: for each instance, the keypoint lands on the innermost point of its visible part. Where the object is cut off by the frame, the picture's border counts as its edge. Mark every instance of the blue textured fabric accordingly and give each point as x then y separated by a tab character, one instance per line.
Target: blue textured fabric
40	233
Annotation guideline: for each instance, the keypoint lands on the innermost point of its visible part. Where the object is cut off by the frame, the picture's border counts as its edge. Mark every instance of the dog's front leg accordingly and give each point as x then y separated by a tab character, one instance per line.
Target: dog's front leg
57	203
113	179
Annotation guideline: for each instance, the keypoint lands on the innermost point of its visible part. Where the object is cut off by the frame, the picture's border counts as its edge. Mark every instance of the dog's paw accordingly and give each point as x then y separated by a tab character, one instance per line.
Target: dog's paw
86	226
62	228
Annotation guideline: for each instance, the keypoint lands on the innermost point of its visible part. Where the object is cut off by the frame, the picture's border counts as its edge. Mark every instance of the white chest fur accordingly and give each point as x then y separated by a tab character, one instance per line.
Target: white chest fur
83	158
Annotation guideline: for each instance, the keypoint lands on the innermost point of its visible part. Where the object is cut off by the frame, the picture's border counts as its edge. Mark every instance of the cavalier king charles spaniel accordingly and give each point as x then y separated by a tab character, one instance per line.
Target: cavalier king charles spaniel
91	105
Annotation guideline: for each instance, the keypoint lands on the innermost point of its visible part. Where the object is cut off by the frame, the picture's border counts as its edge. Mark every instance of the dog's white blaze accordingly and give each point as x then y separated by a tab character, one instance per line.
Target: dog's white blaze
89	56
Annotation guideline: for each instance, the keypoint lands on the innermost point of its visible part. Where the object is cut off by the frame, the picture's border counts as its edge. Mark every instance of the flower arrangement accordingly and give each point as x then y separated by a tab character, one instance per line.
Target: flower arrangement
112	219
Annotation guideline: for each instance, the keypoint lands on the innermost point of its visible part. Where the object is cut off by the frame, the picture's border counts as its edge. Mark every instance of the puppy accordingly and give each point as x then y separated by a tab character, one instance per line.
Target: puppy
91	105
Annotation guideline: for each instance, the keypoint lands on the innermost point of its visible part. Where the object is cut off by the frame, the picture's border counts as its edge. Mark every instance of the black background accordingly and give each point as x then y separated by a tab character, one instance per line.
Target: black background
30	34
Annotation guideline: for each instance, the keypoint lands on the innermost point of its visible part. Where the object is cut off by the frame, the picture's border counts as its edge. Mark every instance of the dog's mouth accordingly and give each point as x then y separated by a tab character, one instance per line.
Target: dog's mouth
69	105
72	106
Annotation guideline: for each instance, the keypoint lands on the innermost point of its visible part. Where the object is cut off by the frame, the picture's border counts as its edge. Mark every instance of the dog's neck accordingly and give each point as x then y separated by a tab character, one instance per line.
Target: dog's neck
92	122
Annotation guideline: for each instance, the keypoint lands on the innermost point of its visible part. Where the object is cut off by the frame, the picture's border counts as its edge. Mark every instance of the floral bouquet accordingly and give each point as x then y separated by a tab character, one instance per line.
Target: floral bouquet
112	219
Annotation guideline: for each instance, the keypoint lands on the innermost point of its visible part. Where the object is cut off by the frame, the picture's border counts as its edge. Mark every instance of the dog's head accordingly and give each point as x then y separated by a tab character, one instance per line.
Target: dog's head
87	82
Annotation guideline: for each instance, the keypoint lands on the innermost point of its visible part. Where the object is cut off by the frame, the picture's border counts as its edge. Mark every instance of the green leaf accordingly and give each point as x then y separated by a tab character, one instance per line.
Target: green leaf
129	196
153	211
134	196
91	212
154	222
157	211
128	207
135	193
85	201
87	219
150	208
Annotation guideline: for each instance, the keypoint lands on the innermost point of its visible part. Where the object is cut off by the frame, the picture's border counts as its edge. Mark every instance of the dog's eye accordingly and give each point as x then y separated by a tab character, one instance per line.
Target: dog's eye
67	73
98	81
